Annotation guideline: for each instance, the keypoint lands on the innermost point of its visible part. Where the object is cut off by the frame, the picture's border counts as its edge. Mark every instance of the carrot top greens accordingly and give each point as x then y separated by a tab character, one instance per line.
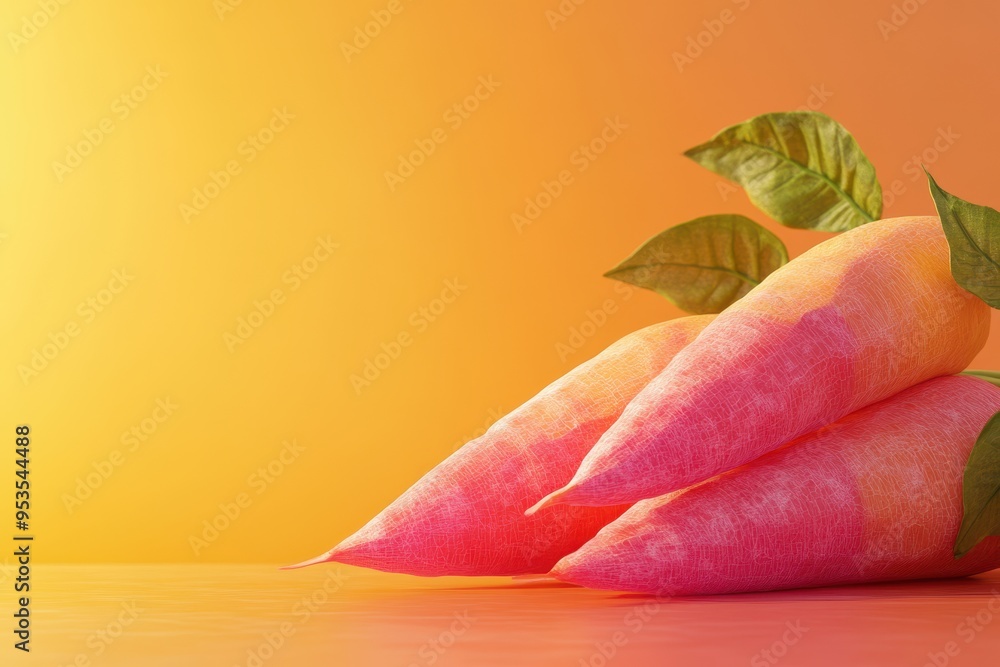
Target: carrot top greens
704	265
973	234
801	168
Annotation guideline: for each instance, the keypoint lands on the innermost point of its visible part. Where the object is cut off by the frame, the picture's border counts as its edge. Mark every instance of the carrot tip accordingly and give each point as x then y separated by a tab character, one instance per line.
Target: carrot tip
532	577
324	558
555	498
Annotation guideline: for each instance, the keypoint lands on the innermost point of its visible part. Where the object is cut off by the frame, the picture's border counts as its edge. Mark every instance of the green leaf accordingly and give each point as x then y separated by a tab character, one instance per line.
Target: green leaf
993	377
801	168
973	233
981	490
704	265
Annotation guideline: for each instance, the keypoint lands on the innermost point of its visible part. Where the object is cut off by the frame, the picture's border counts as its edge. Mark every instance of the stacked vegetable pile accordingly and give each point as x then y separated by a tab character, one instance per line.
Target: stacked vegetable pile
813	432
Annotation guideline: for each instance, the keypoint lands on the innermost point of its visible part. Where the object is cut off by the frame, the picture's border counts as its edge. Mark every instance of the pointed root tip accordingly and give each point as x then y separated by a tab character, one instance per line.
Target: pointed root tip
580	571
558	497
522	578
561	572
324	558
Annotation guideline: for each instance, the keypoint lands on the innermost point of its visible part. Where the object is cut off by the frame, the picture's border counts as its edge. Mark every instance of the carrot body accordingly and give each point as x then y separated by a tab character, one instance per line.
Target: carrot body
852	321
466	516
876	496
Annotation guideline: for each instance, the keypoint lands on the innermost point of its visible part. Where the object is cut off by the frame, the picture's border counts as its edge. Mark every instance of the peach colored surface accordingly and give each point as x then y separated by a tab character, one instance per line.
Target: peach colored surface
340	616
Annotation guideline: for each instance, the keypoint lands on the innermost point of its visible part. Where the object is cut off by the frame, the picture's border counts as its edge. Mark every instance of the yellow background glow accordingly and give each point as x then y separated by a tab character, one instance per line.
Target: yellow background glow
512	294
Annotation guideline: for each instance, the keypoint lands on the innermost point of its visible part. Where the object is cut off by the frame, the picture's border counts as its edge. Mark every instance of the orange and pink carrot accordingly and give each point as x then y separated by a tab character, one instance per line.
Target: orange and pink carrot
877	496
854	320
466	516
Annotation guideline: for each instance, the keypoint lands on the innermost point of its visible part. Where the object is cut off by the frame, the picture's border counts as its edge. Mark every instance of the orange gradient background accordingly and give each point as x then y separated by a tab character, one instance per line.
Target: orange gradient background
522	291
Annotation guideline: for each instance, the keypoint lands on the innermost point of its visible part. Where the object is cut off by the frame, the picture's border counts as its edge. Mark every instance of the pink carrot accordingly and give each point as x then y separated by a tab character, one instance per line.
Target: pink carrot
466	516
853	321
876	496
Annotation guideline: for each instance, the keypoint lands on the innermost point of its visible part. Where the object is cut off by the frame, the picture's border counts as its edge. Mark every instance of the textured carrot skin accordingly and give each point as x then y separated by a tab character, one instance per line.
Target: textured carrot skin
852	321
466	516
876	496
